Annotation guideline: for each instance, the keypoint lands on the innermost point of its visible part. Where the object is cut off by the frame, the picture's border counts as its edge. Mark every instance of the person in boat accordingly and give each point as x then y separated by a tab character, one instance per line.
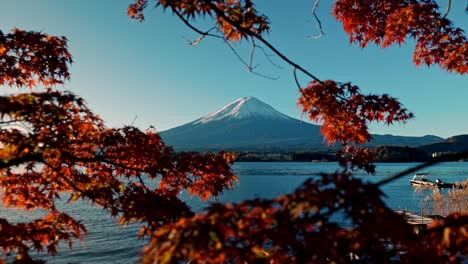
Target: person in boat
438	181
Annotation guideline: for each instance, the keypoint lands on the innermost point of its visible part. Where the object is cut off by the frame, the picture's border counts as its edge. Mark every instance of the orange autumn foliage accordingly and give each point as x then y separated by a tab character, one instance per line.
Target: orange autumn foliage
30	58
345	111
62	149
387	22
242	13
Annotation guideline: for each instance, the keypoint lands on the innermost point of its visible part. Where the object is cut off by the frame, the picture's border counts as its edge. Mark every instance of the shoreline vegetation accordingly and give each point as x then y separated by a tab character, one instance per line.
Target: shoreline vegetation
440	203
381	154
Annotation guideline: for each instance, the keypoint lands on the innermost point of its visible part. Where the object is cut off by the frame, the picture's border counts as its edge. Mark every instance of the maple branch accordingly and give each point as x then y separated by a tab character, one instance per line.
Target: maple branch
68	181
116	164
104	160
20	160
101	158
77	189
314	8
142	182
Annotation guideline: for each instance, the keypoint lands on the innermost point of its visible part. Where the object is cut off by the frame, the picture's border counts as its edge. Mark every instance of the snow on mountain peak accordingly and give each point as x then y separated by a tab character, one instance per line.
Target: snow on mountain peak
242	108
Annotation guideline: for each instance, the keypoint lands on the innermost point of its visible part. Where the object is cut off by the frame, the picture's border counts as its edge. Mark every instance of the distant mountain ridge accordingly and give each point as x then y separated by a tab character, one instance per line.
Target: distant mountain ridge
455	144
412	141
249	124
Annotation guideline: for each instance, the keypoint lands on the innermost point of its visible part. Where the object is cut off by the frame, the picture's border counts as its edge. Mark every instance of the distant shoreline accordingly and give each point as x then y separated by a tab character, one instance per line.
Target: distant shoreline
385	154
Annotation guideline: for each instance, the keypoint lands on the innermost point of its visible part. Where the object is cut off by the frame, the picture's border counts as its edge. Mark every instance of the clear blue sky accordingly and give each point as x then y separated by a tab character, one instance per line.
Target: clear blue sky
124	68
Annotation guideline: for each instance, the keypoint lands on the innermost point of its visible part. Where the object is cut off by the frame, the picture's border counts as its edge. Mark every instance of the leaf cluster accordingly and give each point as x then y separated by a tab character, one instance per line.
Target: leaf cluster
53	145
384	23
29	58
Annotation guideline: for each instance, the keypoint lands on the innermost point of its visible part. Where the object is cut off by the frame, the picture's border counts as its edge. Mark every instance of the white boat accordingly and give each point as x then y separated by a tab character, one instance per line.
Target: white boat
419	179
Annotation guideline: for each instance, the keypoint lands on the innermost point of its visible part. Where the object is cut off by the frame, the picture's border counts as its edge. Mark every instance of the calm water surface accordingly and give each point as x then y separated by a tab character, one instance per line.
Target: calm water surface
109	243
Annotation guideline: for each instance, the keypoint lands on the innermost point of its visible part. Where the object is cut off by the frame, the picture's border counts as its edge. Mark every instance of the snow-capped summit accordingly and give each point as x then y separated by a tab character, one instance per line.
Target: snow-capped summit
245	107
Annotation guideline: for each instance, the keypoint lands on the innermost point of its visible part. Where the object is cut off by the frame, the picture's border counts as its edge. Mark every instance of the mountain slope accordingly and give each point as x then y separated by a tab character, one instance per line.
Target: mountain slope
249	124
245	124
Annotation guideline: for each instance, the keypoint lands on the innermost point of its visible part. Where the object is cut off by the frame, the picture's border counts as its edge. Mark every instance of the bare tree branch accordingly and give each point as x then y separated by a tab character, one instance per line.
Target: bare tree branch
221	14
134	119
265	76
314	9
449	3
207	33
267	56
20	160
252	51
296	80
202	36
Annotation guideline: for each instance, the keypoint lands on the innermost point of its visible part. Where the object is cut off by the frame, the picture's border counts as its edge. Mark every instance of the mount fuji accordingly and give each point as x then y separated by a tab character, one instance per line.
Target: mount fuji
249	124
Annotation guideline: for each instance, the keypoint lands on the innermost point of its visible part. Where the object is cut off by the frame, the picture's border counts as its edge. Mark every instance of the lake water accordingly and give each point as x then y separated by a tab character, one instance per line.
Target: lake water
109	243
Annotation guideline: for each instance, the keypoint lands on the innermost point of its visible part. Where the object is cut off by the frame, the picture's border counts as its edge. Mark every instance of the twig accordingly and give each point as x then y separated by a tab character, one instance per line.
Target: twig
296	80
207	33
449	3
143	183
252	51
134	119
261	39
236	54
77	189
20	160
314	9
268	57
197	40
